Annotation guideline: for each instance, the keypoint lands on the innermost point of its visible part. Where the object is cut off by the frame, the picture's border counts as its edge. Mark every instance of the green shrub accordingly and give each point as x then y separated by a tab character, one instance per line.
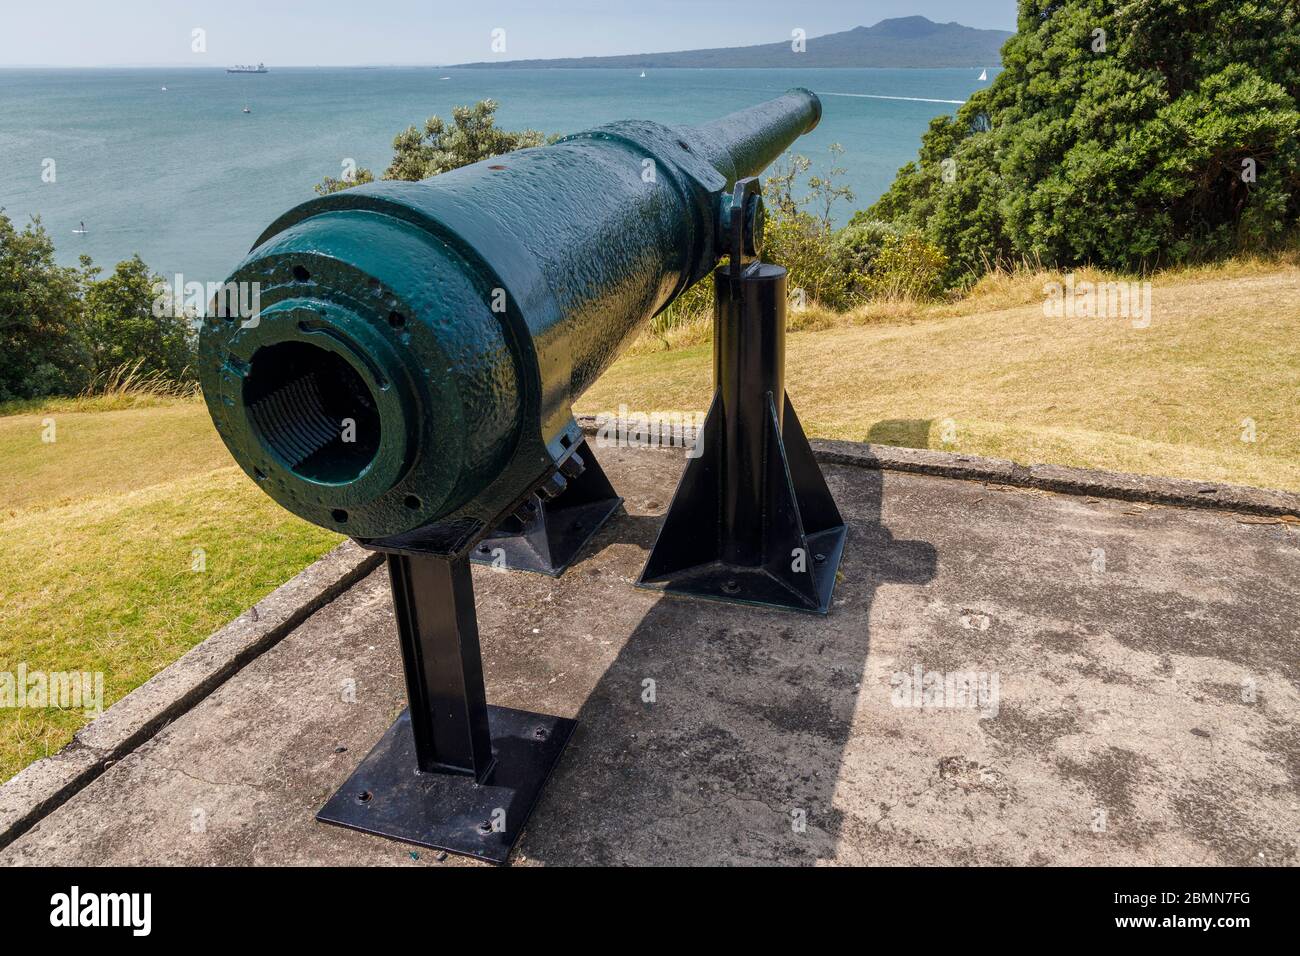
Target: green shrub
806	248
122	328
1125	135
908	267
856	247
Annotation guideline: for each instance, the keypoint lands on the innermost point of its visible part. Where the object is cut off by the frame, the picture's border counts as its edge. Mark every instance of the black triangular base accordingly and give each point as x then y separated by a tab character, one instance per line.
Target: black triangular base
555	530
803	533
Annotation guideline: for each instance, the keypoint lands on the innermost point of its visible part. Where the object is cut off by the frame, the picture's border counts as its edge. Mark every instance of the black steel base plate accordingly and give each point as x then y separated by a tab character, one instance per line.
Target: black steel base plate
717	581
388	797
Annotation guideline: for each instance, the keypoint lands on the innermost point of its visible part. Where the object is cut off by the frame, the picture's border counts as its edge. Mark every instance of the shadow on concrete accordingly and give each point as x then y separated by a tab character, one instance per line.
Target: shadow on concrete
717	726
903	432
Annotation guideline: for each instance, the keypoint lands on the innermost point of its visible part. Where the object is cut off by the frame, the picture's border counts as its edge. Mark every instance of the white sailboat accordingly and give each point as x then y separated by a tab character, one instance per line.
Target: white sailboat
984	75
643	74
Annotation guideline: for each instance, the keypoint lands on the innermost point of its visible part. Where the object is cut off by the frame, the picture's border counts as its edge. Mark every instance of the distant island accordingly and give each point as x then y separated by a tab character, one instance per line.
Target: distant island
900	42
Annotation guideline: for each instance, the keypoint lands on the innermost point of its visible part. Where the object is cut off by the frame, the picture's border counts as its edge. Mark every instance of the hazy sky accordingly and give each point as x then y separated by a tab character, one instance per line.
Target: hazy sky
348	32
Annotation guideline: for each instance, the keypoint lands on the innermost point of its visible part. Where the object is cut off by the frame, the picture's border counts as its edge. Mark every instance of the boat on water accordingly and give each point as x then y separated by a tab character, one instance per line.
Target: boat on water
247	110
82	231
643	74
984	75
260	68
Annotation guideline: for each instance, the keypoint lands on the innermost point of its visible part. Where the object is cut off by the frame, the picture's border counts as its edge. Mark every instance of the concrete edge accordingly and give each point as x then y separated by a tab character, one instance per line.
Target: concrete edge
1122	486
44	785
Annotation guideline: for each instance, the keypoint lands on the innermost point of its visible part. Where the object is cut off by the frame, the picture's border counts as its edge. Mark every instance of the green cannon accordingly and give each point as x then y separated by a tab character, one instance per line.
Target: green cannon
419	345
408	380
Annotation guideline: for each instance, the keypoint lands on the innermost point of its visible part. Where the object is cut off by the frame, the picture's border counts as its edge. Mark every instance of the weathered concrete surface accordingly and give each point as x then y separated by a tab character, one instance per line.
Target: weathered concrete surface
1148	707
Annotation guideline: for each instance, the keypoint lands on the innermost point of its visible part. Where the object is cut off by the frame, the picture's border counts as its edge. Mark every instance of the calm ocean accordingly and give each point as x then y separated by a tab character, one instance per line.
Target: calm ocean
188	180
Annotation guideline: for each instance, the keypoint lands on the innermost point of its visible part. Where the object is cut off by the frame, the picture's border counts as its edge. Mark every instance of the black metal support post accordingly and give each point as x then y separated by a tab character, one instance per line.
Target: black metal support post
752	520
453	772
437	628
547	533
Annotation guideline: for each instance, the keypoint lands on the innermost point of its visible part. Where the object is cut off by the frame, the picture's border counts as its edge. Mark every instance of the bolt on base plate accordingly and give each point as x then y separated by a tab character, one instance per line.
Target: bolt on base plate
739	584
388	797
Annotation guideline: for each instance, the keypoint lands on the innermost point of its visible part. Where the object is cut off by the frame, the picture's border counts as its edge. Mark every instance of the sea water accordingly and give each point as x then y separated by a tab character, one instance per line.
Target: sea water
187	179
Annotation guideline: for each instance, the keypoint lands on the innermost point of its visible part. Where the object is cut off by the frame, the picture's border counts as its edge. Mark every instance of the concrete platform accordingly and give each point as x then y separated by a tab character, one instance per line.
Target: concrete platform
1141	669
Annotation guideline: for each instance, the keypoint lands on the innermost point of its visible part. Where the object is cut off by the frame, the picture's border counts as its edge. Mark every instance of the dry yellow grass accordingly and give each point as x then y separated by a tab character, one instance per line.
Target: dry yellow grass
998	378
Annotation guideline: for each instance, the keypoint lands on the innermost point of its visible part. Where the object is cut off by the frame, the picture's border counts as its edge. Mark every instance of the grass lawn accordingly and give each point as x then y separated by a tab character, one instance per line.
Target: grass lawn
100	527
99	532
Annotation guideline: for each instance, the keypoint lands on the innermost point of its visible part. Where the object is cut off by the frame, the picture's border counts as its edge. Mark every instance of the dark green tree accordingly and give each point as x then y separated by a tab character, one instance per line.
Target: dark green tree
41	349
127	322
1129	135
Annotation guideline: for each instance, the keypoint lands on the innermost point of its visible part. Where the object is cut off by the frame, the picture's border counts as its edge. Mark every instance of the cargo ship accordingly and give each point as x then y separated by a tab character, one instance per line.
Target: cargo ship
260	68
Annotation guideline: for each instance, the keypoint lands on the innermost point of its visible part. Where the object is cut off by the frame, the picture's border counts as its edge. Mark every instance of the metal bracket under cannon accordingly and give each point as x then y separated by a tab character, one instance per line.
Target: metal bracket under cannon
752	520
454	772
547	532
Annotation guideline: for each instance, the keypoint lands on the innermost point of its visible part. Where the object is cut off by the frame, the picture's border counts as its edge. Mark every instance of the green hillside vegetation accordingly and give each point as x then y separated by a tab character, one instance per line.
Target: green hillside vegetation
1129	136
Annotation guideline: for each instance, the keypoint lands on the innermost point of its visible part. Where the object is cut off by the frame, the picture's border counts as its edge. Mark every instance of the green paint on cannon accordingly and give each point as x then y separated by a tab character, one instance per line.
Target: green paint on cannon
419	346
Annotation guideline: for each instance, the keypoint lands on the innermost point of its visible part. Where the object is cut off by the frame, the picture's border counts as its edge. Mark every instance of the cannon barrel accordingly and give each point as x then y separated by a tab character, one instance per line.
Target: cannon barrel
419	345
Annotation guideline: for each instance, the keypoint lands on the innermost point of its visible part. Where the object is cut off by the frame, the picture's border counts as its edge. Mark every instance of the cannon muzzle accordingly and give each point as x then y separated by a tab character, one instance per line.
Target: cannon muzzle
419	345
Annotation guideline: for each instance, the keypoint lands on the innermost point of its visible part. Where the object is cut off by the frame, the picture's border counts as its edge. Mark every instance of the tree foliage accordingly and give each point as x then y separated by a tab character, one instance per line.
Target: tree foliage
41	352
331	185
1130	135
438	147
472	136
800	231
63	328
122	326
